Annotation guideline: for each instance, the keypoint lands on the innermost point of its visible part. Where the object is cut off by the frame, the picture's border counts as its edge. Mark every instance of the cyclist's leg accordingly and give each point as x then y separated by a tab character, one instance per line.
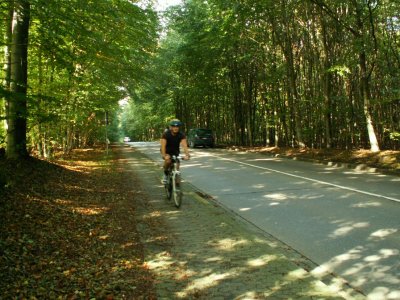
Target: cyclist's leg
167	162
166	167
178	175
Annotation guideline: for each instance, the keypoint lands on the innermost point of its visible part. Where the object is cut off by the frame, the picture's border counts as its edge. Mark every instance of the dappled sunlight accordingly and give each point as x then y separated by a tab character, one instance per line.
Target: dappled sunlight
297	274
367	204
262	159
346	196
366	267
201	154
214	259
206	282
258	186
303	182
277	197
208	256
162	260
226	190
346	228
191	165
84	167
245	209
90	210
328	267
311	197
214	265
326	172
382	233
63	202
173	213
228	244
261	261
383	253
383	293
153	214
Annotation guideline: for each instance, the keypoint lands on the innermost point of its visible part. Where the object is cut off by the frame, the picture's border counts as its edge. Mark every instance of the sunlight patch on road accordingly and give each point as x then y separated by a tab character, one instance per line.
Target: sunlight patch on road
245	209
190	165
348	227
367	204
382	233
276	196
258	186
383	293
328	267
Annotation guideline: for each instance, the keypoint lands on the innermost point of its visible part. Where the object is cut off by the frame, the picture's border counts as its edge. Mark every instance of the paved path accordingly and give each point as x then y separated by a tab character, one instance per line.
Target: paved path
202	251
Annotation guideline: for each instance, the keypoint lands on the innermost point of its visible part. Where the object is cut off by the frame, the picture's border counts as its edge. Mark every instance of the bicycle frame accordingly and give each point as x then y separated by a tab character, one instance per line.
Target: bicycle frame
172	187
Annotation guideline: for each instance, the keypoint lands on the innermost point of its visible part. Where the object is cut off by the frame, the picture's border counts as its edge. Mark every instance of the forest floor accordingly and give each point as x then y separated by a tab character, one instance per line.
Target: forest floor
68	227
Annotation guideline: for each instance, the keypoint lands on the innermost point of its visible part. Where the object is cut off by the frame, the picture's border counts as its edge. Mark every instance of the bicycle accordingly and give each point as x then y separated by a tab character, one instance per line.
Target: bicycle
173	184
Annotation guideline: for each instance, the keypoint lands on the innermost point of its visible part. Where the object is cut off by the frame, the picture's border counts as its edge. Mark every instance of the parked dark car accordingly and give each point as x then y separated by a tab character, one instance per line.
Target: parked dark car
201	137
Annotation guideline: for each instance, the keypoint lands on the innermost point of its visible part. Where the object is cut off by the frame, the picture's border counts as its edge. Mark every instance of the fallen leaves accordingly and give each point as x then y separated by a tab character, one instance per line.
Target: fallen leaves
68	230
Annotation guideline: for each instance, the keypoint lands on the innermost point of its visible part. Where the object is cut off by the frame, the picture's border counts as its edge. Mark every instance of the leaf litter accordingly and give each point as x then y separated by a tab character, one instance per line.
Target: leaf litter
68	230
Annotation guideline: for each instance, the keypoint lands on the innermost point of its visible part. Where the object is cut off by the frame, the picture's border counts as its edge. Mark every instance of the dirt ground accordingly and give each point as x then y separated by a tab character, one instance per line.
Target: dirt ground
68	229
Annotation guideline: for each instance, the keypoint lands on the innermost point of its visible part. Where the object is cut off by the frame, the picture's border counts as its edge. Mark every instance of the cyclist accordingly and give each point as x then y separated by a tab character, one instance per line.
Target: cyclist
171	141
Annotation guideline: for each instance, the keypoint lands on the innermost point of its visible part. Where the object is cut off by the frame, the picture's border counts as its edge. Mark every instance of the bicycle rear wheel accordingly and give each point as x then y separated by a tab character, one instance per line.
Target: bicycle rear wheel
176	192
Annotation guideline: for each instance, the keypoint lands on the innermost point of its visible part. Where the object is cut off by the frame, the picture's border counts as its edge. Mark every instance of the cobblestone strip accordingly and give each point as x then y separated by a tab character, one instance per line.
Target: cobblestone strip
201	251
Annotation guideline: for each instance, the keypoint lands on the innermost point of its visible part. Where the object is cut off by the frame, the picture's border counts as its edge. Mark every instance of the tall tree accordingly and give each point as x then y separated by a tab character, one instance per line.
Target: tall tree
17	102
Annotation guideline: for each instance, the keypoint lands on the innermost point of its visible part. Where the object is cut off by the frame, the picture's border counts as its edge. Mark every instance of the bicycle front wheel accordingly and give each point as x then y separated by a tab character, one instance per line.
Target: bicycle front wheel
176	192
168	188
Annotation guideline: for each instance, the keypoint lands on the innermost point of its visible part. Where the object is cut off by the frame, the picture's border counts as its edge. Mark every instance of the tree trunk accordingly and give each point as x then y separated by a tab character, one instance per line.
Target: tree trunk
7	61
327	88
17	104
364	86
366	100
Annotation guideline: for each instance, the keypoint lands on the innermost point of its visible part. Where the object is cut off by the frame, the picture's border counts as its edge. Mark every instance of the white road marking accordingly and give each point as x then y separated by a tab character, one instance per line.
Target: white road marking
309	179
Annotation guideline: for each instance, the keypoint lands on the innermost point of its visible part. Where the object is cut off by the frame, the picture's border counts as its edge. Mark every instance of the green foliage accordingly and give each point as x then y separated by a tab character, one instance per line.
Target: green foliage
340	70
276	71
84	57
257	72
395	136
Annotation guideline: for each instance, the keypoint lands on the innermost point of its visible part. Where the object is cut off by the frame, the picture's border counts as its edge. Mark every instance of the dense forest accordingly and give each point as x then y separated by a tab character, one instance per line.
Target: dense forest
315	73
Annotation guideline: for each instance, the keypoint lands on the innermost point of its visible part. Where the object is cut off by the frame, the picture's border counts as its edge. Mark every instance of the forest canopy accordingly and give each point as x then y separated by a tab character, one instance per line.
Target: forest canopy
316	73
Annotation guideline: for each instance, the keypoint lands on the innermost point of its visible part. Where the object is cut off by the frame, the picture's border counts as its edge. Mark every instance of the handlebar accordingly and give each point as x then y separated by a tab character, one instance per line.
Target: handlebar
179	157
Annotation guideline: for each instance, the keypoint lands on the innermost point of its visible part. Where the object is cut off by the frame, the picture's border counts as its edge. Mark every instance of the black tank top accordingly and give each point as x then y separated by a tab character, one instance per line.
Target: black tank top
173	142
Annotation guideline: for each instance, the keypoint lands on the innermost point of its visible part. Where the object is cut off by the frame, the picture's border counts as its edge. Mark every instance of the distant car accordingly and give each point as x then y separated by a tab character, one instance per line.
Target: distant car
200	137
127	139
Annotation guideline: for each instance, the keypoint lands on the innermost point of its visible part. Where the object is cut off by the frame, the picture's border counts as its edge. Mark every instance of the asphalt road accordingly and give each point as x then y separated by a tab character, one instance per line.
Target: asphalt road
346	221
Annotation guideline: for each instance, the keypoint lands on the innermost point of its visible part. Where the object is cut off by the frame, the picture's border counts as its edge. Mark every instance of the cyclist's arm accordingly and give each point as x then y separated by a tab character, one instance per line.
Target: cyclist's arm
163	147
185	147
